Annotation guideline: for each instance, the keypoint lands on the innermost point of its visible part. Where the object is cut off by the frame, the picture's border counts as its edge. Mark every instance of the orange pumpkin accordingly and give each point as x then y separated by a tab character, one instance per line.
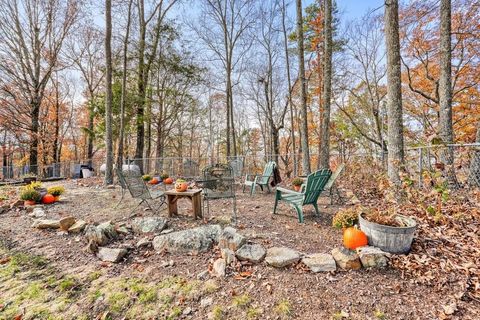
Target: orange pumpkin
154	181
48	199
181	186
354	238
168	181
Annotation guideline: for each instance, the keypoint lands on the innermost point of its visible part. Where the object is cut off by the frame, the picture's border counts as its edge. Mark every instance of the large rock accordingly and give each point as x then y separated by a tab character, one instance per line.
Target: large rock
66	223
319	262
144	242
346	259
130	167
148	224
38	213
191	240
101	234
228	255
280	257
251	252
46	224
111	255
230	239
372	257
219	268
77	227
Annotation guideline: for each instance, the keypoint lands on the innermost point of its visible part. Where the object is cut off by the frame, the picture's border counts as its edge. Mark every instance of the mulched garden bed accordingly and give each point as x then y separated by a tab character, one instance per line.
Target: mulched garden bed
255	291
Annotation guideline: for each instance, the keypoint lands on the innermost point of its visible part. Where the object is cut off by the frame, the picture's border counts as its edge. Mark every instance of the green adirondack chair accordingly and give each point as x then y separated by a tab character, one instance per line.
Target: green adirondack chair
252	180
330	187
313	187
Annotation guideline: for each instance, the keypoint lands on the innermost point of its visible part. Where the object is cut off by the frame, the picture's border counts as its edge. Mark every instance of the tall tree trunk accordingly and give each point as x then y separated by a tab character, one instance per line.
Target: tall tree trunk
90	136
210	132
289	81
229	110
394	94
320	61
232	116
124	90
34	130
324	155
445	124
141	88
303	83
56	149
148	150
108	96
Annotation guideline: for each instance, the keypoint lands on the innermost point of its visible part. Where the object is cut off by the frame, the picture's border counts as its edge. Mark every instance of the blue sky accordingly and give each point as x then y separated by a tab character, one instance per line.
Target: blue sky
351	9
357	8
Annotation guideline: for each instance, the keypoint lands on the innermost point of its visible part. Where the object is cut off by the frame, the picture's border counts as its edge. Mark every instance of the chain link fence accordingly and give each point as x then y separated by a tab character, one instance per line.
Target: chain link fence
459	163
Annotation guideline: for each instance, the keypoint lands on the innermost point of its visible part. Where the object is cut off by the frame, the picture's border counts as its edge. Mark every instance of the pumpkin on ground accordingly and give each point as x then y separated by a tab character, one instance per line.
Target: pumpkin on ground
168	181
154	181
354	238
48	199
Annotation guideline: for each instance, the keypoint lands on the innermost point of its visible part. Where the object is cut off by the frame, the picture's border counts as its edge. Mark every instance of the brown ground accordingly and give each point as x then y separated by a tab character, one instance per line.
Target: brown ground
41	289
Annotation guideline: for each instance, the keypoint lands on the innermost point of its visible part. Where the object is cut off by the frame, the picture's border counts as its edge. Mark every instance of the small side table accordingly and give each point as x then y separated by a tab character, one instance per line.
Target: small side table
194	195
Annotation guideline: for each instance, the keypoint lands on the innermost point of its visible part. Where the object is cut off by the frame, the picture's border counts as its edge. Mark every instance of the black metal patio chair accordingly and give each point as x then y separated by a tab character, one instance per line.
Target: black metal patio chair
218	183
133	182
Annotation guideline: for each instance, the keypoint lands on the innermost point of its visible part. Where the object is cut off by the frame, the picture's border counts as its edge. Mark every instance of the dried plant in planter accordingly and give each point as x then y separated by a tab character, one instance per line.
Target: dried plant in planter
386	218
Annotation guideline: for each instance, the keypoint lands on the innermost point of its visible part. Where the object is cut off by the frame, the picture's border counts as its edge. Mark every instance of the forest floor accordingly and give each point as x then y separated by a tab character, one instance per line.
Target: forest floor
46	274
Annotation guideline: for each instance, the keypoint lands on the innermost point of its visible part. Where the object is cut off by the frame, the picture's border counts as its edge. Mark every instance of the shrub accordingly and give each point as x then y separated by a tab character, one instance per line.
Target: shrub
56	191
297	181
34	185
147	177
164	175
30	194
345	218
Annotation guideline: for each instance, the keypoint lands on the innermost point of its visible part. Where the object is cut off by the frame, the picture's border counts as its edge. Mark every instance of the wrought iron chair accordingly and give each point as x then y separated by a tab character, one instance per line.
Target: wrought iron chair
138	189
218	183
190	169
123	185
237	166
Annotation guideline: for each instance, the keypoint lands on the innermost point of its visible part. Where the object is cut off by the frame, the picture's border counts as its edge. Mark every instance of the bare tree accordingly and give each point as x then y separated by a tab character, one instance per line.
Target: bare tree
394	93
85	49
362	76
124	88
145	60
445	122
324	156
32	34
269	75
109	94
303	84
283	9
222	26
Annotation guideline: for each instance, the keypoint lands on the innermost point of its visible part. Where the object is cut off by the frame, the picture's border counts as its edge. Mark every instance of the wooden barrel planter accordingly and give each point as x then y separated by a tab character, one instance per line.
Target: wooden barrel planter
388	238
